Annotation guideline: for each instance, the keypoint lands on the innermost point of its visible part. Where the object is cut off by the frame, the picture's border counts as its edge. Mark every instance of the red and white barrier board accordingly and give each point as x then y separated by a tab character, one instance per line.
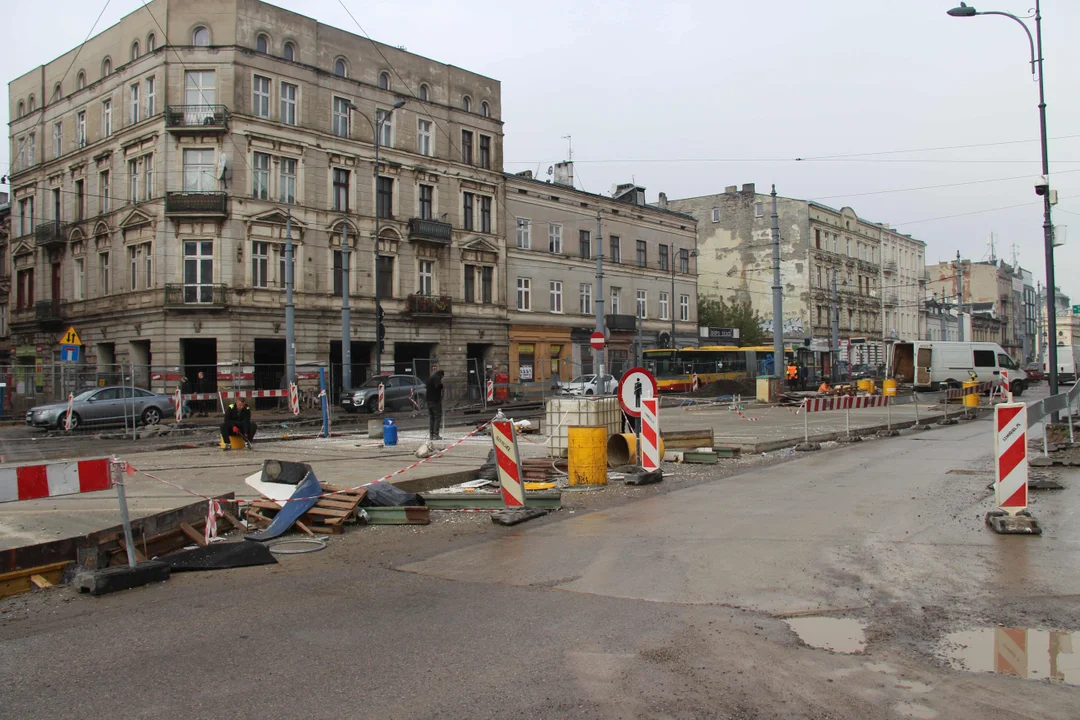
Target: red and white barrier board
1010	457
507	460
650	434
29	482
491	391
983	387
845	402
694	383
231	394
294	399
382	398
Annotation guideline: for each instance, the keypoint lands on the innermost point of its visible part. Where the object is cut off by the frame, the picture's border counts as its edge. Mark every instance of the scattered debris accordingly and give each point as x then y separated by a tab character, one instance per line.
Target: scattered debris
306	494
382	494
416	515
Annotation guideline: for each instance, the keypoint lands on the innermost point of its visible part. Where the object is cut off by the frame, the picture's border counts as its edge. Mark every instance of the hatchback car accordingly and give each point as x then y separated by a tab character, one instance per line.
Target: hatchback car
1034	372
403	391
590	385
103	406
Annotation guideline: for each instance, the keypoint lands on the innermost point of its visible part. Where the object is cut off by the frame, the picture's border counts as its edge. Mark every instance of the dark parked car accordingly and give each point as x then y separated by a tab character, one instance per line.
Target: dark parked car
863	372
404	391
1034	372
104	406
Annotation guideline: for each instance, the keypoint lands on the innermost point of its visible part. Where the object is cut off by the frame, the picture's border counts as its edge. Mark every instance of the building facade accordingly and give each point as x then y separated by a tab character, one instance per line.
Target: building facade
649	276
993	295
153	190
903	285
1030	314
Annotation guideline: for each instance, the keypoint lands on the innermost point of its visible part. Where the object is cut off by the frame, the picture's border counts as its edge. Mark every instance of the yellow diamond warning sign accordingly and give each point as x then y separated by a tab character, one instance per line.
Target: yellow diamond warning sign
71	337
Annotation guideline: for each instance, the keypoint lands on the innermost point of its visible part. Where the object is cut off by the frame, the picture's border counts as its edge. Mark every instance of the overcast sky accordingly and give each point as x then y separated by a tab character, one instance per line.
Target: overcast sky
688	97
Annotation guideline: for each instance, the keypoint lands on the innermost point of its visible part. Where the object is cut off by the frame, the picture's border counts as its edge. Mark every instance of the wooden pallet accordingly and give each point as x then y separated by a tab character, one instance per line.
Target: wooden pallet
328	515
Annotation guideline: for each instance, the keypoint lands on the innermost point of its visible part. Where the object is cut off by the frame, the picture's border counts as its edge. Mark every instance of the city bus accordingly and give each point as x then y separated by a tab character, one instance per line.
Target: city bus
674	368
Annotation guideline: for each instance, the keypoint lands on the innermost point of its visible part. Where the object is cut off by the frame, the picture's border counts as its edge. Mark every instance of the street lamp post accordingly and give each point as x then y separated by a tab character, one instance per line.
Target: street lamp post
1043	188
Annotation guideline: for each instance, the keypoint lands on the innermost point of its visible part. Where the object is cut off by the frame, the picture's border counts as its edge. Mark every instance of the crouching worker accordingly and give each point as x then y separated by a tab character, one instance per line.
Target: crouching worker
238	422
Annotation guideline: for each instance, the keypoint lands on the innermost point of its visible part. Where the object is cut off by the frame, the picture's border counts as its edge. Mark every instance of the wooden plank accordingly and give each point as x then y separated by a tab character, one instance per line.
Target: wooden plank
17	582
39	570
139	556
40	581
233	520
329	512
337	504
195	537
304	528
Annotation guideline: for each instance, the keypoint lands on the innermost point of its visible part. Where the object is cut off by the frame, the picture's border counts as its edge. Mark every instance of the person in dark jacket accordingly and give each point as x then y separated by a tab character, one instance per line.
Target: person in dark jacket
238	422
434	387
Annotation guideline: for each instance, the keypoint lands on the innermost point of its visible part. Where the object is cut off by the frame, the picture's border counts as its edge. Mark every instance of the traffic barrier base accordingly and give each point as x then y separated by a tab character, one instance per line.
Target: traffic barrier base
1004	524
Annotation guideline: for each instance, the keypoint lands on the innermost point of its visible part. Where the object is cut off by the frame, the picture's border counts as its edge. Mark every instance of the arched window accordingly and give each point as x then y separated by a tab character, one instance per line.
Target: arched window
56	93
485	109
200	37
31	106
150	46
290	52
80	80
384	81
262	44
423	92
106	68
339	68
135	50
22	108
466	103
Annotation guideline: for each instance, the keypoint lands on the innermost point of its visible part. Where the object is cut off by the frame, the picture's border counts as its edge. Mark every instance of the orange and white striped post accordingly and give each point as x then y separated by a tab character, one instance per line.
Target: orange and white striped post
694	382
1010	453
179	402
382	398
508	462
70	409
1006	389
650	434
491	391
294	399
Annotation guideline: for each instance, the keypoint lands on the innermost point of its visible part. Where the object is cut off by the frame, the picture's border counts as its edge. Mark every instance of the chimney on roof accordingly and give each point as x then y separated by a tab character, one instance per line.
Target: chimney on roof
748	188
526	174
662	202
731	189
564	173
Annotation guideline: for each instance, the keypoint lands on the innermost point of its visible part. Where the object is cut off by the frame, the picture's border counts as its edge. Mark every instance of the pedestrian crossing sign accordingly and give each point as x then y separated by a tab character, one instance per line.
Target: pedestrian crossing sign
71	337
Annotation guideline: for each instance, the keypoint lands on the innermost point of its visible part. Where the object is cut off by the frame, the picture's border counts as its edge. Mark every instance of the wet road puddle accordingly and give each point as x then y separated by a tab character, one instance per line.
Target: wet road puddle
836	634
1028	654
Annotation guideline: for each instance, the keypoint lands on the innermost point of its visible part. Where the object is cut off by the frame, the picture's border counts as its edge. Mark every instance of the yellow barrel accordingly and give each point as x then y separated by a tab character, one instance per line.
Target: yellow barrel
235	442
587	450
889	385
971	400
622	450
866	385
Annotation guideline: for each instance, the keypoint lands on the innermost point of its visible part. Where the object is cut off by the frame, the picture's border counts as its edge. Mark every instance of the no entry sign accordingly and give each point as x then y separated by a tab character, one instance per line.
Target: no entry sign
597	341
637	384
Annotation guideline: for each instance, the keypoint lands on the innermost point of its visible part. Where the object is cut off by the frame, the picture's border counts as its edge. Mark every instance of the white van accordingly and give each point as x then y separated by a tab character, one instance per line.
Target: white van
1067	358
932	364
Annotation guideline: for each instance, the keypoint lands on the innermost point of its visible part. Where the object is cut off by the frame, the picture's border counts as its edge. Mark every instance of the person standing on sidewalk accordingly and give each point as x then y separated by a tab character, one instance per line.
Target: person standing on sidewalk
434	388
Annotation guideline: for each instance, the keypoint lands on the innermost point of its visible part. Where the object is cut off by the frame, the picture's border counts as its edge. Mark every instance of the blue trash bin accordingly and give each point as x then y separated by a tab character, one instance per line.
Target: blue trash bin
389	432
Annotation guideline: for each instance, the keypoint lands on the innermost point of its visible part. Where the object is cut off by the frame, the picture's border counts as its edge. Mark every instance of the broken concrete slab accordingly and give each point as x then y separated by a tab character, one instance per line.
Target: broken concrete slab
807	447
1004	524
1040	461
849	439
122	577
514	516
888	433
947	421
1043	484
644	478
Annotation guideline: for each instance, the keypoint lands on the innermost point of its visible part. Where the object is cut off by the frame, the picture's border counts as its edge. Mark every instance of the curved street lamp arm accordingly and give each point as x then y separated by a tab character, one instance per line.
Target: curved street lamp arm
1031	40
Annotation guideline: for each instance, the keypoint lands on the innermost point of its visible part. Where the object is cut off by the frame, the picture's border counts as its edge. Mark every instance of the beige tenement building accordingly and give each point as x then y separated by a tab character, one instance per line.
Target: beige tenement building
152	186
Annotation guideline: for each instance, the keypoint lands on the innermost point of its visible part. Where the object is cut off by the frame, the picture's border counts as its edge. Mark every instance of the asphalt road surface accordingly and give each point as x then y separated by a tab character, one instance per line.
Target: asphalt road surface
666	602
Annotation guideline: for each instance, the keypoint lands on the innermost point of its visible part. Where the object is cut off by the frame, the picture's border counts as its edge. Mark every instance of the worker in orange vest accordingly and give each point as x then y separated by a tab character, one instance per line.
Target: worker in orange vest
792	373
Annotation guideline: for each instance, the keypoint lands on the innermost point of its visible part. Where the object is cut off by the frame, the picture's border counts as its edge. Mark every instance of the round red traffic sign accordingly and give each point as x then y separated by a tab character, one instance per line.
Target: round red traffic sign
597	341
636	385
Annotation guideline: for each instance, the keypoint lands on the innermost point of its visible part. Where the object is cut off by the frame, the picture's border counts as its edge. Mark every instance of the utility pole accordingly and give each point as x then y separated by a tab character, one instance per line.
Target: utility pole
599	304
1040	345
779	365
881	290
290	307
834	347
375	270
346	318
959	297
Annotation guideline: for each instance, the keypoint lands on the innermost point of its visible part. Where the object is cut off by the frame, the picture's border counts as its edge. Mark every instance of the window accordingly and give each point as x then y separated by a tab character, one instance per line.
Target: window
467	211
80	199
642	304
198	169
614	305
524	233
485	274
148	265
384	81
24	296
200	37
58	139
106	70
642	254
106	118
198	271
134	103
487	284
850	319
22	109
426	278
984	358
80	129
341	117
287	180
427	202
423	92
151	43
339	272
524	293
260	177
288	52
470	283
466	103
26	215
759	210
817	238
151	98
80	81
384	197
555	239
423	137
133	181
585	299
485	214
584	244
485	109
716	215
385	286
466	147
485	152
104	276
684	261
664	309
615	243
103	190
339	68
133	268
385	122
200	91
684	308
260	97
135	50
556	296
341	190
262	44
662	253
80	279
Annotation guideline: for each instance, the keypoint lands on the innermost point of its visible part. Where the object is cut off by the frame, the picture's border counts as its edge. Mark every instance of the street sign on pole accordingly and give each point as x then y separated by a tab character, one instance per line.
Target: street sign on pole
71	337
597	341
69	353
1076	309
636	385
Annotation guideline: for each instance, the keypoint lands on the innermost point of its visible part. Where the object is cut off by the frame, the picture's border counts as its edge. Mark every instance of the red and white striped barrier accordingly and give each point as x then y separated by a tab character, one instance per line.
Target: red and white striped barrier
70	409
694	383
294	399
1010	454
845	402
650	434
491	391
178	403
233	394
382	398
1006	389
28	482
983	387
508	463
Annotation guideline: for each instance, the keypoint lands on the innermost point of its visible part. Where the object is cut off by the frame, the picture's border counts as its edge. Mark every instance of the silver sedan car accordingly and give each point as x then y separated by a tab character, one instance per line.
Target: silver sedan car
103	406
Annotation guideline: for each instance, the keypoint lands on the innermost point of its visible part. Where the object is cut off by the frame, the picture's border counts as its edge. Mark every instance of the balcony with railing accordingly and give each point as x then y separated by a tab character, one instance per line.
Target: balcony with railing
196	204
429	305
50	234
202	119
891	299
889	266
431	231
195	296
49	311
